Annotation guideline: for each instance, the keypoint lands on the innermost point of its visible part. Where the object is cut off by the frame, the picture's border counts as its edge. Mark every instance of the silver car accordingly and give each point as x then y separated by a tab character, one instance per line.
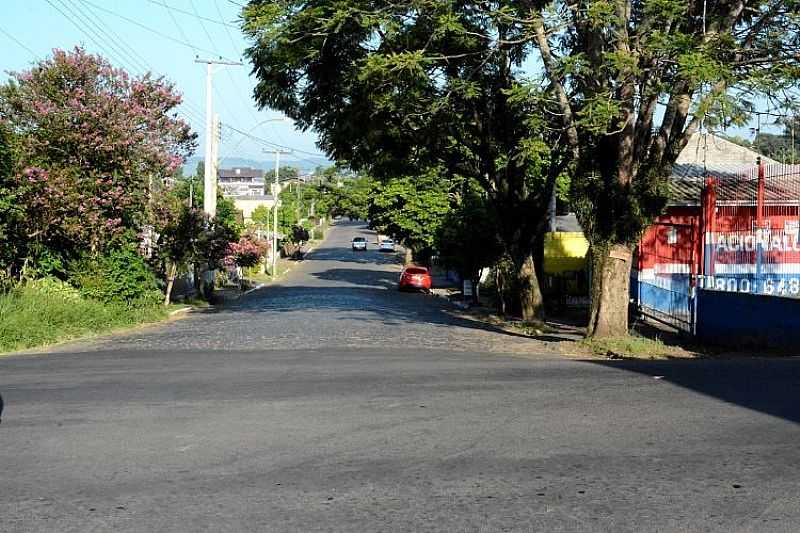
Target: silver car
359	244
386	245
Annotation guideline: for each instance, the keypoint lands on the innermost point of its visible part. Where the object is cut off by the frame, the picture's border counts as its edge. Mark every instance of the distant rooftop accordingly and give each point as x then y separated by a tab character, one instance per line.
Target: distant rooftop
238	172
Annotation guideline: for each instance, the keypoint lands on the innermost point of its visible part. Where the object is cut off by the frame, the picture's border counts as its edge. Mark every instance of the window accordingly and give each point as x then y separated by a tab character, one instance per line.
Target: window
672	235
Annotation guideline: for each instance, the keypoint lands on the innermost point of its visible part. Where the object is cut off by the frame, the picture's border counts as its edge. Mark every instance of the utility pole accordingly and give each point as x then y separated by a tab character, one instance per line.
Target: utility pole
276	189
209	197
211	191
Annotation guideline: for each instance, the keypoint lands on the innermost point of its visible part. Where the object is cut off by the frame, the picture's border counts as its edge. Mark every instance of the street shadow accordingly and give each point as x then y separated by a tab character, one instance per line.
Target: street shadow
359	277
343	256
769	385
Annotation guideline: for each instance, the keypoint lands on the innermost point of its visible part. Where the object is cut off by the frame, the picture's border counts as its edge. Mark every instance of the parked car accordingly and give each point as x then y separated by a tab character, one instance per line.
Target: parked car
386	245
415	278
359	243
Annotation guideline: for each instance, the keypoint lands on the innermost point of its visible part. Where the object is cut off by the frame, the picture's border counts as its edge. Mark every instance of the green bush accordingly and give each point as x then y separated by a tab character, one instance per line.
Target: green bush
119	276
56	287
31	316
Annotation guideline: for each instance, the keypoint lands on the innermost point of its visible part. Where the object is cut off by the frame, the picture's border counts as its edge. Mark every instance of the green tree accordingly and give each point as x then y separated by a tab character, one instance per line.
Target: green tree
192	188
262	216
288	172
411	210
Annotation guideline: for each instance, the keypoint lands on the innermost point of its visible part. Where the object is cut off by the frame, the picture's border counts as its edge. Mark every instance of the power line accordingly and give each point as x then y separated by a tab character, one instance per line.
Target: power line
177	26
147	28
239	92
98	39
192	112
21	44
171	8
103	35
270	143
216	51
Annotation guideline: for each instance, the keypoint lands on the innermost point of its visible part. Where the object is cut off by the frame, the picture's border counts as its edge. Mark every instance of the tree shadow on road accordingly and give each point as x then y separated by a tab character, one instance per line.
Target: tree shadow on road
359	277
769	385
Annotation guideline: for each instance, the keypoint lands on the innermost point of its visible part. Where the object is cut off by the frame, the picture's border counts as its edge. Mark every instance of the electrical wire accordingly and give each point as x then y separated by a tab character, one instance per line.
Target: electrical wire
192	111
21	44
151	30
178	10
270	143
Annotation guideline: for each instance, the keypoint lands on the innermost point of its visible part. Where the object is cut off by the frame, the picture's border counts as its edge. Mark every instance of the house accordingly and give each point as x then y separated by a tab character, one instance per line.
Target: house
245	186
241	181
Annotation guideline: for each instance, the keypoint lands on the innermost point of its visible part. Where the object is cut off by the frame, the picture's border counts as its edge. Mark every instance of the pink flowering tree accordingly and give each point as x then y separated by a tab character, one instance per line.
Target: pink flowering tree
245	253
91	146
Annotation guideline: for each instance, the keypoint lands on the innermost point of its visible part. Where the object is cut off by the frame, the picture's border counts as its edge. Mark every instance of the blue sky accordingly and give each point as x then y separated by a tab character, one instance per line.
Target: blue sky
30	29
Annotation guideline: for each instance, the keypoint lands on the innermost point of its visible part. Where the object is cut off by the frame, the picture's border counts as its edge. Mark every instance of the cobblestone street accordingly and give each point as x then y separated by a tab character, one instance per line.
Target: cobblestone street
336	298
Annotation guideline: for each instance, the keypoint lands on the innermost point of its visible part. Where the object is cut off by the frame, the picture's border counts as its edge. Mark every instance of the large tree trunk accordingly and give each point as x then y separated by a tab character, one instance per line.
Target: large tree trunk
530	295
611	273
409	257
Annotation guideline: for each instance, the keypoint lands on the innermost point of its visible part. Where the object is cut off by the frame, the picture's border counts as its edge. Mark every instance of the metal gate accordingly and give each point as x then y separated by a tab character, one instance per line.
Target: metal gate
665	278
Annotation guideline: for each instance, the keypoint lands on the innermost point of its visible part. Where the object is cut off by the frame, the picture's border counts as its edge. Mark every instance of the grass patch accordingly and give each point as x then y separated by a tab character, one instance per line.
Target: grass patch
30	318
632	346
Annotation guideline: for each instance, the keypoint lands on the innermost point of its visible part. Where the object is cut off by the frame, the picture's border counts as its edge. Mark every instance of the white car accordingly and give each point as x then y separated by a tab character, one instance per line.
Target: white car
386	245
359	243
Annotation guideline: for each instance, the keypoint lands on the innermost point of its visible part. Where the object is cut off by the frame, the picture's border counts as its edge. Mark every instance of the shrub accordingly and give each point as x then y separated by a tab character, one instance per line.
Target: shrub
120	276
56	287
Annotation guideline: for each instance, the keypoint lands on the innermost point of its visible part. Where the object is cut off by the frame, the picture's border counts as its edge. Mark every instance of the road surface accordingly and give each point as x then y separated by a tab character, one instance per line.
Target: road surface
334	403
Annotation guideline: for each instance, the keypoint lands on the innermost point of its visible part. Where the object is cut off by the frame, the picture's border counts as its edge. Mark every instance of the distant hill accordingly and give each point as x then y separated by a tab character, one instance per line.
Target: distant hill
307	164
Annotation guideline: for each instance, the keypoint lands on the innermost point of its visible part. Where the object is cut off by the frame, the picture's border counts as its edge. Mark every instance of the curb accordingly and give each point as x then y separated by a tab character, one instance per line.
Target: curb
181	310
248	291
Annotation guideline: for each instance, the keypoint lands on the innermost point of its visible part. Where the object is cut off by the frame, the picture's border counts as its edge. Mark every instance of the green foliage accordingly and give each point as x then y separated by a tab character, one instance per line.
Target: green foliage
410	209
344	196
39	314
262	215
56	288
227	213
119	276
467	240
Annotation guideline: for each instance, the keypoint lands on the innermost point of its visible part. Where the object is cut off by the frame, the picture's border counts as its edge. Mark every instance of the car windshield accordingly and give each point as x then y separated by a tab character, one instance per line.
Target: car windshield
387	241
359	239
416	270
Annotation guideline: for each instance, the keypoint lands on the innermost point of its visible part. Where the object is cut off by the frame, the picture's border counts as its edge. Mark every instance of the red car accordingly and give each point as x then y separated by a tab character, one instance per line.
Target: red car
415	278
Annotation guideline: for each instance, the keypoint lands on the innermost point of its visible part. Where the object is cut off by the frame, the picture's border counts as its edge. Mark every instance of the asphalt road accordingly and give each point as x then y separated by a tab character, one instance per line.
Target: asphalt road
334	403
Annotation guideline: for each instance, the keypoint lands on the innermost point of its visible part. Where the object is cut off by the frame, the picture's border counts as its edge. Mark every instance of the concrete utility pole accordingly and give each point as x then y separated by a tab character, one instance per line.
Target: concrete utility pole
275	193
215	138
210	198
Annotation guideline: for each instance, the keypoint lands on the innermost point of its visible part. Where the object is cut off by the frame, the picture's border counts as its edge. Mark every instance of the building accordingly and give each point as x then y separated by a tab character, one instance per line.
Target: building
249	203
244	181
731	224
